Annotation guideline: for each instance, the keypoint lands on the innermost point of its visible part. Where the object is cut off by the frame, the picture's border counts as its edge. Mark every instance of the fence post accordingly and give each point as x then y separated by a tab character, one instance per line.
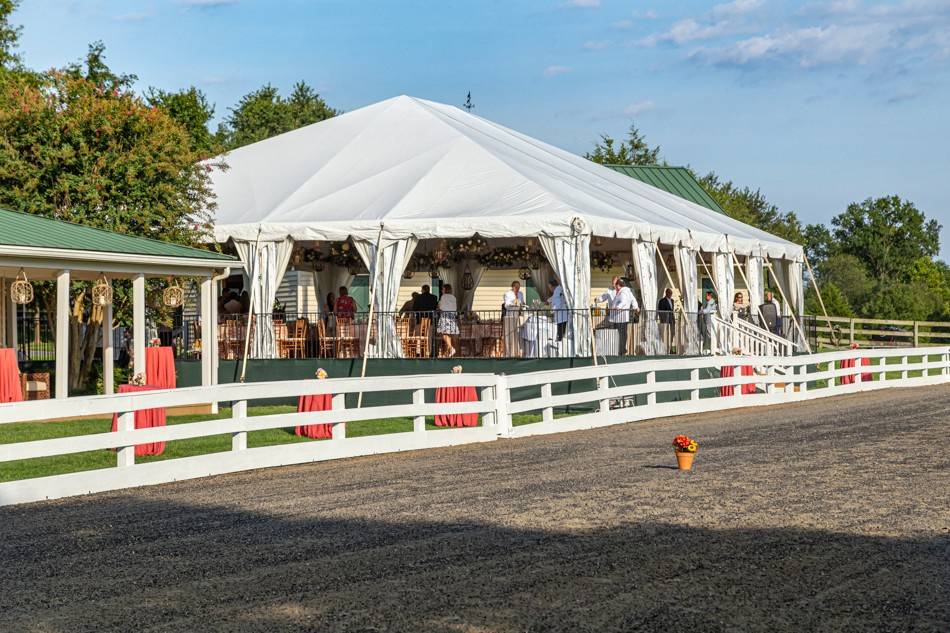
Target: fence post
603	384
488	395
651	395
547	413
339	428
419	422
502	399
238	414
904	371
694	379
882	363
125	455
803	387
916	334
851	335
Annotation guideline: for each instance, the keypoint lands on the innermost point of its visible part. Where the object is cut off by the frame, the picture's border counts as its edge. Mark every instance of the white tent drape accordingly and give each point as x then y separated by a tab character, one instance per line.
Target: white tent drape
726	284
789	274
644	258
689	284
451	275
266	263
540	279
753	274
385	270
570	259
477	269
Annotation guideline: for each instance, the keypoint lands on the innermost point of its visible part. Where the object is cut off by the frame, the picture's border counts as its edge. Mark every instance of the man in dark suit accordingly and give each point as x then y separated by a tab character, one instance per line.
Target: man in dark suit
664	312
425	302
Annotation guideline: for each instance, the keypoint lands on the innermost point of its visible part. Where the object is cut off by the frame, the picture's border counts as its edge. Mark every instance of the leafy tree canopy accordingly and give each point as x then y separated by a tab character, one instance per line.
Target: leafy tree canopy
633	151
9	36
192	111
888	235
264	113
751	206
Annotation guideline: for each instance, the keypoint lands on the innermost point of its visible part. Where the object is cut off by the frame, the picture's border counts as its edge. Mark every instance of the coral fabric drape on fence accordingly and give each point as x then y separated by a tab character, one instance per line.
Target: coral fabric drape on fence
10	389
853	362
144	419
728	371
456	394
319	402
160	367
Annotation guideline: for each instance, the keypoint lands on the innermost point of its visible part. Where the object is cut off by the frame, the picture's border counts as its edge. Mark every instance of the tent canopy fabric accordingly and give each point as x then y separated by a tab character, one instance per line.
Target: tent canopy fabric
427	170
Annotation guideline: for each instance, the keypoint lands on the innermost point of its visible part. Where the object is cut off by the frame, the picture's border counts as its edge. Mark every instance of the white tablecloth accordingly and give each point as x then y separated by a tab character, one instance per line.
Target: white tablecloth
539	334
607	341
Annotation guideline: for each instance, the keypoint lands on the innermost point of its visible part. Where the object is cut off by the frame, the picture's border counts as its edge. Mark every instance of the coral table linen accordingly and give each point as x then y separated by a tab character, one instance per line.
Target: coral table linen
160	367
728	372
845	363
10	389
321	402
144	419
456	394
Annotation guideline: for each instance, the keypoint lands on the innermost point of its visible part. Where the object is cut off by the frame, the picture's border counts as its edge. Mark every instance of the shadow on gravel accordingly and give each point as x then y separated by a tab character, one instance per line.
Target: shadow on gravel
125	564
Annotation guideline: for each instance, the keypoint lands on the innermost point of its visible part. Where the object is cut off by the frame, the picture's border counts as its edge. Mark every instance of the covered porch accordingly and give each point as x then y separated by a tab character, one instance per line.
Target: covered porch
35	249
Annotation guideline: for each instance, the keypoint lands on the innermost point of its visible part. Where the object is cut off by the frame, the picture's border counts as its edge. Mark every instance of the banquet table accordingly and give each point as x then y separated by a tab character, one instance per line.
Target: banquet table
144	419
728	371
318	402
10	388
607	341
456	394
160	367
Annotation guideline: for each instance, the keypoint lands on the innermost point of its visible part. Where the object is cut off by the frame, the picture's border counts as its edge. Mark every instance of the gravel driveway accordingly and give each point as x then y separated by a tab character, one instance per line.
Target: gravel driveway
829	515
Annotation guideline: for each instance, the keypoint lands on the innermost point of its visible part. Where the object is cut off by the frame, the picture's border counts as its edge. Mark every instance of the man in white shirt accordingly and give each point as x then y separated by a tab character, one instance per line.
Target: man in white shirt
620	302
559	307
513	302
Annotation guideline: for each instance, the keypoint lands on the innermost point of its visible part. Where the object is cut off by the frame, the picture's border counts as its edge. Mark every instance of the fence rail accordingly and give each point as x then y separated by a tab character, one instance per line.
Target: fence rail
844	331
615	393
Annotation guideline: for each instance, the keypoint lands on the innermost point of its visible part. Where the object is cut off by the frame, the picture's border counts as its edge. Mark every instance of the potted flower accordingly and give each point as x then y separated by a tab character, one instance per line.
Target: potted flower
685	448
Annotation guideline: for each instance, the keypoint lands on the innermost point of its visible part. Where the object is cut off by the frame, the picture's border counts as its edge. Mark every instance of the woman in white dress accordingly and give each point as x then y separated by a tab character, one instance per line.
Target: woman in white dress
513	302
448	320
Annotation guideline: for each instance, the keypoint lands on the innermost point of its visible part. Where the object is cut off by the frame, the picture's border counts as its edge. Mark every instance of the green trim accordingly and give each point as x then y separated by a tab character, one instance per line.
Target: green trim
33	231
676	180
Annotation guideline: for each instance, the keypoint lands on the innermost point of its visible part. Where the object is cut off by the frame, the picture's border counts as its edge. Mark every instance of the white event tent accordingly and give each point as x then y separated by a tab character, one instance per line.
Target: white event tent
406	169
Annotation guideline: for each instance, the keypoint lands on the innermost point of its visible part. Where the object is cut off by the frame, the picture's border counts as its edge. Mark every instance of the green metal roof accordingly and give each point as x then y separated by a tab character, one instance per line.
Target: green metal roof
33	231
676	180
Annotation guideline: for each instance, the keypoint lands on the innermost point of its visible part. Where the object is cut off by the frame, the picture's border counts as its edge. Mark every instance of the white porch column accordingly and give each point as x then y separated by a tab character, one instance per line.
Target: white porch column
62	334
5	304
138	323
108	362
213	348
207	332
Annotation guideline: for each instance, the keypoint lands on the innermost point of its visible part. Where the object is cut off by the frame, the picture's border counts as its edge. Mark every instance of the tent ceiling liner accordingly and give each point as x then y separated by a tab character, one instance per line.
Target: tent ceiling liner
430	170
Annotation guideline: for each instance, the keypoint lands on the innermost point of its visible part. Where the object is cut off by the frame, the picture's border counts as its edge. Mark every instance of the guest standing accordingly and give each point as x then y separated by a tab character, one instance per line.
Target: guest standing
345	306
664	310
708	311
558	307
620	302
511	319
448	320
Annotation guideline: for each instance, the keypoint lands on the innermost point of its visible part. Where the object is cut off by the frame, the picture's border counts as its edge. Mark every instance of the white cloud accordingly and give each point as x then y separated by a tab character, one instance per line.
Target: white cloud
554	71
736	7
688	30
638	107
583	4
208	4
623	24
596	45
133	17
649	14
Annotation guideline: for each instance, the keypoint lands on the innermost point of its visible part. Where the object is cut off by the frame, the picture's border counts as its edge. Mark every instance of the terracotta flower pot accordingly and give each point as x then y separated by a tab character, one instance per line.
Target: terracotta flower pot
685	460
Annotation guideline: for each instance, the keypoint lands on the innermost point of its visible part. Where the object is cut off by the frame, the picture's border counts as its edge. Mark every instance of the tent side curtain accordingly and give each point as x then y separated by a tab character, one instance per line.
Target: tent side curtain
644	258
570	259
265	263
386	267
753	274
688	287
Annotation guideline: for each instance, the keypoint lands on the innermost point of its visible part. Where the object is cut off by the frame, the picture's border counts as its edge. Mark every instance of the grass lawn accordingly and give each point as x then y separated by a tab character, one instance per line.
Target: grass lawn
90	460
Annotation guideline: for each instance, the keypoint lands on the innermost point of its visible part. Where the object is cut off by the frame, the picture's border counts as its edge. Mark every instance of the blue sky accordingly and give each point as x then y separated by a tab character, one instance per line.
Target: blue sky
817	103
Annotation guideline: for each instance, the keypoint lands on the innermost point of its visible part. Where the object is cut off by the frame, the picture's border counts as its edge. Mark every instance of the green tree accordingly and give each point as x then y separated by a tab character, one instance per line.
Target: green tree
263	113
849	274
634	151
191	110
94	69
9	36
835	301
752	207
900	300
888	235
79	148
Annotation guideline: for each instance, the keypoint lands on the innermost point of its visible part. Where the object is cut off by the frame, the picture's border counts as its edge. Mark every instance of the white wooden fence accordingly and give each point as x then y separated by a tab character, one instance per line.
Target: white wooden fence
619	393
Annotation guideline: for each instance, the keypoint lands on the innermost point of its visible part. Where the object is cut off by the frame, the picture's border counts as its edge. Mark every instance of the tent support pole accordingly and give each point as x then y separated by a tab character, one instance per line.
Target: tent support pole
250	308
814	280
369	319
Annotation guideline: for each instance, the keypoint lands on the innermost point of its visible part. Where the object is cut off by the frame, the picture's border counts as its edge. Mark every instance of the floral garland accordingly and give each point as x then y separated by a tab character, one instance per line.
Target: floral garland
341	254
508	257
467	248
601	260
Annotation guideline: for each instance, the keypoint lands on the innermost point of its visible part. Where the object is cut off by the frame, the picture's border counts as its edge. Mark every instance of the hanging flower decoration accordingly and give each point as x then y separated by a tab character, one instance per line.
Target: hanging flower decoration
21	290
467	248
173	296
102	292
468	280
602	261
508	257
